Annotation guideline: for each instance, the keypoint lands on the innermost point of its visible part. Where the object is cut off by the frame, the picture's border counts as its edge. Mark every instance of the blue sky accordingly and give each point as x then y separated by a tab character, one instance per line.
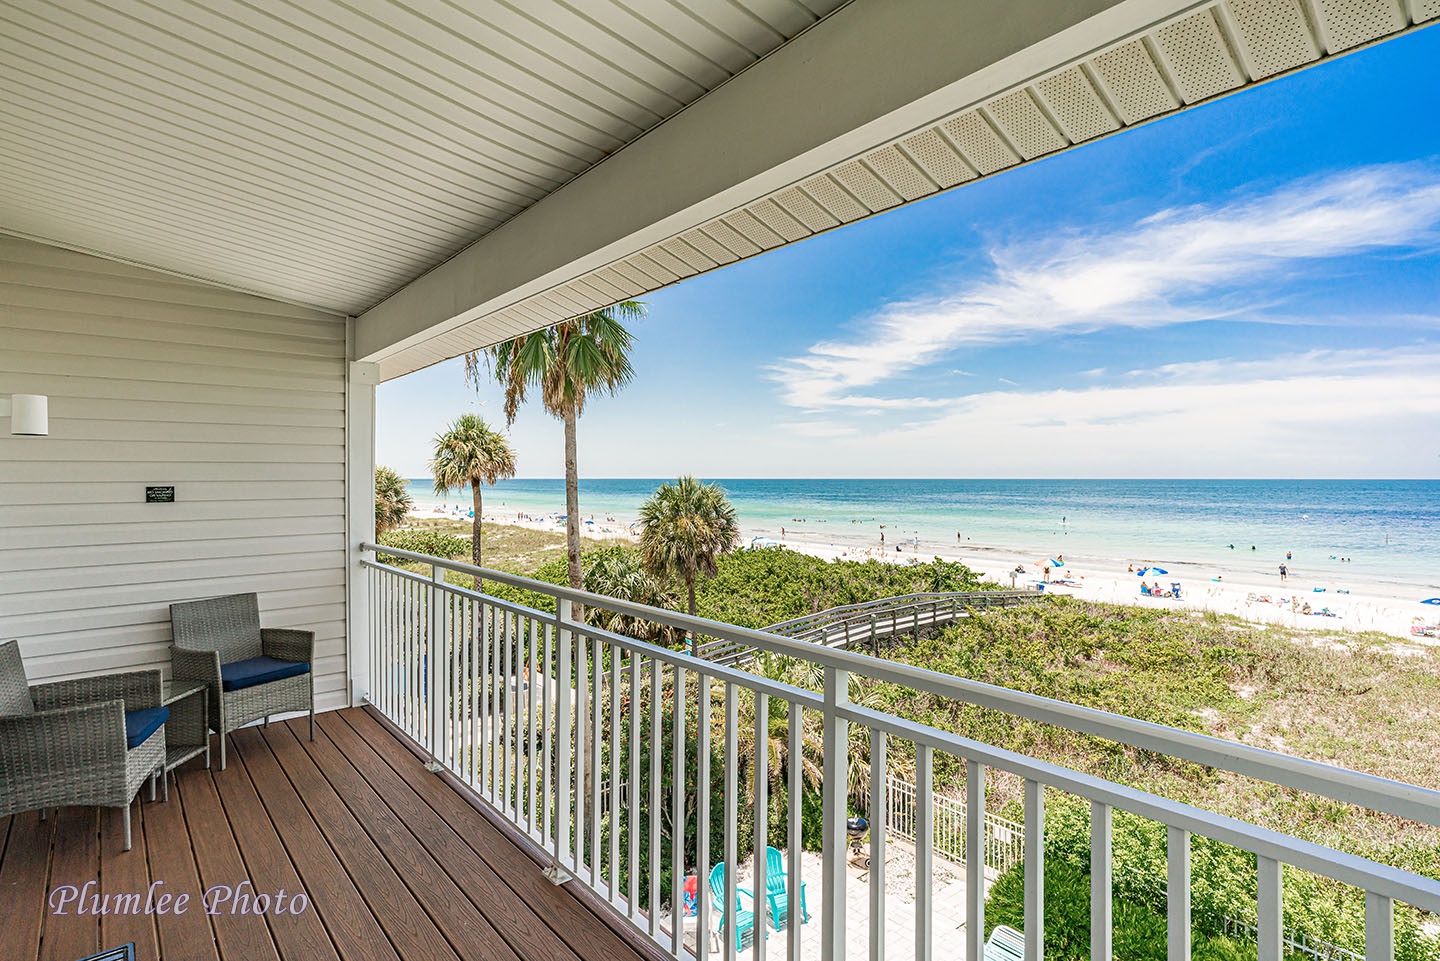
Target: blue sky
1250	288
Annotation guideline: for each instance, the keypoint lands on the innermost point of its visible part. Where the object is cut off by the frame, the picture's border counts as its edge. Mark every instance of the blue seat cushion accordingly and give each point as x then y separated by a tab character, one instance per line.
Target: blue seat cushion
139	725
238	675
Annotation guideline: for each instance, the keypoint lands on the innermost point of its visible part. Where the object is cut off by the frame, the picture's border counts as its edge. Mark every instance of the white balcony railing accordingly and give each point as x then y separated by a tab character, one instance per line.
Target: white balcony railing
541	714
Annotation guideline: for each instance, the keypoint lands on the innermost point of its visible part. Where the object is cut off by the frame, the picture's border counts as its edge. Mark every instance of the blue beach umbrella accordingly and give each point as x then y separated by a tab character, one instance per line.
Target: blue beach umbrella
1432	600
1151	572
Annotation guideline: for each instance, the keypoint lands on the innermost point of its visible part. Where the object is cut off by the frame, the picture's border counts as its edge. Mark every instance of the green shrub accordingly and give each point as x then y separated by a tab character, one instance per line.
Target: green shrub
431	542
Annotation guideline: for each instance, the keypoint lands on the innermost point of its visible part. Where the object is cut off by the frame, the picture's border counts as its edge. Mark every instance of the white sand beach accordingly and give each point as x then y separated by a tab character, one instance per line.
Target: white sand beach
1242	589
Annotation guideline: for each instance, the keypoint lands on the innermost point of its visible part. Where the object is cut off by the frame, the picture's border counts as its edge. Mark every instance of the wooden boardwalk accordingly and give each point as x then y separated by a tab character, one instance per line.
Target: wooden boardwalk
395	865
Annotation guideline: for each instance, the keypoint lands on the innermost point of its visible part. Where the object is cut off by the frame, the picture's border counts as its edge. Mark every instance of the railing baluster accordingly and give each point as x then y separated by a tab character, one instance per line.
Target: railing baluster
533	677
794	819
548	726
1101	883
1379	927
1177	888
1034	871
924	851
636	784
677	817
761	769
1269	910
616	807
487	678
507	709
565	763
582	739
703	690
879	815
597	690
974	861
833	807
732	840
656	707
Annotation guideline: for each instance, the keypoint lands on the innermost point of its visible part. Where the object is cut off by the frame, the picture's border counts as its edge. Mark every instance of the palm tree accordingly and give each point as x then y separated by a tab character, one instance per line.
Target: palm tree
392	500
566	362
685	526
469	452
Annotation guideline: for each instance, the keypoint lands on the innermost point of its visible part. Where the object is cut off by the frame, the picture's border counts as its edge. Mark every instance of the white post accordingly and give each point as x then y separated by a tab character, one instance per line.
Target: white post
1379	927
1177	893
563	719
359	517
1101	883
1034	871
833	814
974	861
1269	911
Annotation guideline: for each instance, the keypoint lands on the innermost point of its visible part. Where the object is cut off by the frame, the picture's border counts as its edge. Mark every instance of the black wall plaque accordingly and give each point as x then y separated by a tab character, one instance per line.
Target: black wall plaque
160	495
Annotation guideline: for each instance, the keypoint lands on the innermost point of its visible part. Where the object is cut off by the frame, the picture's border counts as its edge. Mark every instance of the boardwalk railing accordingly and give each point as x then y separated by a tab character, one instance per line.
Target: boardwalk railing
1004	840
534	709
865	623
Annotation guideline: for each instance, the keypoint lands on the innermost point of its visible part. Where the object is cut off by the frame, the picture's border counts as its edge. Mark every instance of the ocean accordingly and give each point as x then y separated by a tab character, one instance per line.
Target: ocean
1389	529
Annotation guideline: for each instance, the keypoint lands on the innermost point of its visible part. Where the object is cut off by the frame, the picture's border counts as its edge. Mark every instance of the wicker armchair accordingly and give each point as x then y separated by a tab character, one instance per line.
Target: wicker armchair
253	672
68	742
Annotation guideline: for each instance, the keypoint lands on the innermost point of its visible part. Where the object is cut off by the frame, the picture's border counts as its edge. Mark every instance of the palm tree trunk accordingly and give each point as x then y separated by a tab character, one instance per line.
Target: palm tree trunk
572	508
577	580
475	531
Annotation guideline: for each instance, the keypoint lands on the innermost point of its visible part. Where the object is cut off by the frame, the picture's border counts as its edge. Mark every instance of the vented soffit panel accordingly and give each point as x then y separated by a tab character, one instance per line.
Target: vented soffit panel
1208	51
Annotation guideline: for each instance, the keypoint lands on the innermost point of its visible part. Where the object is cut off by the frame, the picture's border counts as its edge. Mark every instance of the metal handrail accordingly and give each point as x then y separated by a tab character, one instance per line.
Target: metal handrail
1315	777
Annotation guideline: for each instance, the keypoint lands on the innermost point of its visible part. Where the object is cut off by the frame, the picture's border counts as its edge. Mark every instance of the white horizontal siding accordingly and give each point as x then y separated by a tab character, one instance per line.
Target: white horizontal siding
237	401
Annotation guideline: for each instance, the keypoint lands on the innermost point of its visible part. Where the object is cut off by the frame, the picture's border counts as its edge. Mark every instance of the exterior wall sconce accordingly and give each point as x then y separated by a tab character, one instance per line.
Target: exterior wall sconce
28	413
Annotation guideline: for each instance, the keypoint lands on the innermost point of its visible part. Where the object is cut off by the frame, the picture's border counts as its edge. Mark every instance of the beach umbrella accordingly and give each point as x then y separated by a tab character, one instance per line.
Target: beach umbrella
1055	563
1151	571
1432	600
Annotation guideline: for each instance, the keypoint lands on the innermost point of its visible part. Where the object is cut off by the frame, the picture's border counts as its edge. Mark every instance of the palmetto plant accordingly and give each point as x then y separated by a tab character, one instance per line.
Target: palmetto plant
470	453
392	500
617	572
566	363
685	526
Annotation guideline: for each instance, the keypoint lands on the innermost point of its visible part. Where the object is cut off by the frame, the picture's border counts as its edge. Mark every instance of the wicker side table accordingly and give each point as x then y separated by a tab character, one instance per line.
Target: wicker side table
187	732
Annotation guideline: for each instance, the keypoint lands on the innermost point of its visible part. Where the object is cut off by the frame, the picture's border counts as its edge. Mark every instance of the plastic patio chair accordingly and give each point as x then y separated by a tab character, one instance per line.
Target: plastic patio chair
744	917
777	893
1005	944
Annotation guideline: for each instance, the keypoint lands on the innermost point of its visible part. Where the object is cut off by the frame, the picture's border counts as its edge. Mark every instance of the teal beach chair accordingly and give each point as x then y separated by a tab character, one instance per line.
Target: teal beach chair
1005	944
777	892
744	918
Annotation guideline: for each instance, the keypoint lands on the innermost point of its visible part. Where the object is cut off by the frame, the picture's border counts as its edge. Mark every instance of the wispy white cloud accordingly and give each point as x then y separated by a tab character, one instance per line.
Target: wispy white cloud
1326	413
1179	265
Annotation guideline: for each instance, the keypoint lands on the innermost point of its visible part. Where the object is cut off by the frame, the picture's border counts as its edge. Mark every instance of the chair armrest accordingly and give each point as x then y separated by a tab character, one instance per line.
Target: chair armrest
63	739
190	664
287	644
137	689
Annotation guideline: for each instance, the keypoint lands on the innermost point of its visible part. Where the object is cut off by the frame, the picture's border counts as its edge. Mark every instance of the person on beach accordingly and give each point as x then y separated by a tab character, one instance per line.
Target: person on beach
1283	572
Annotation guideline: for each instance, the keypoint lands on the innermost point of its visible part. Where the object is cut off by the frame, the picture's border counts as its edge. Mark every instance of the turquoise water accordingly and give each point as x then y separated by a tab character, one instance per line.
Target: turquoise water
1389	529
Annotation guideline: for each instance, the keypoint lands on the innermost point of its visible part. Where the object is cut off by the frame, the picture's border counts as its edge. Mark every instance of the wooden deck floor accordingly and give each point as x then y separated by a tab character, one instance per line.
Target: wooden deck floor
394	863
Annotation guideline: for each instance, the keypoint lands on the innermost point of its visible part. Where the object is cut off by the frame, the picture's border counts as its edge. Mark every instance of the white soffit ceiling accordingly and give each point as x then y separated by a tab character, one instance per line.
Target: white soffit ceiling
326	152
1200	55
